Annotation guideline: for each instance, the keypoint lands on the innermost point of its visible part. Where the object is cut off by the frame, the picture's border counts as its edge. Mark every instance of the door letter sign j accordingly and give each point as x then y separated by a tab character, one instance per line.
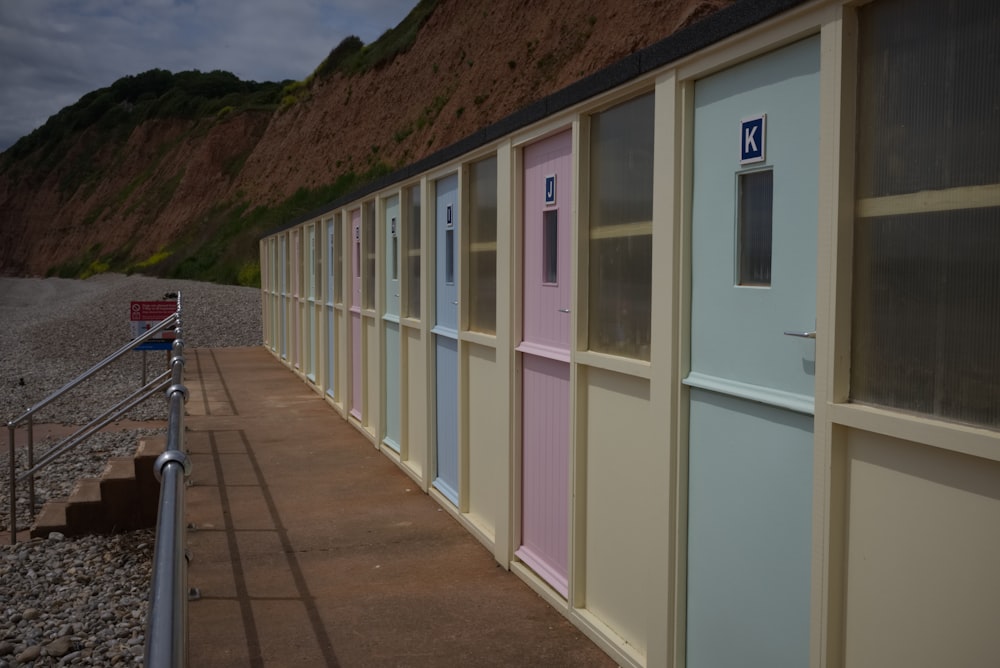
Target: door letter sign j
752	139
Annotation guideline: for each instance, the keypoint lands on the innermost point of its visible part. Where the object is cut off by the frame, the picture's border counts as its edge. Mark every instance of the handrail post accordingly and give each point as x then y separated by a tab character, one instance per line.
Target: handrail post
31	463
13	487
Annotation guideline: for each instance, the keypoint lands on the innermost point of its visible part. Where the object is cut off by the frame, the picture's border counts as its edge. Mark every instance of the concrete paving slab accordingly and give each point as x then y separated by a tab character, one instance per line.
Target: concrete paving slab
220	644
324	553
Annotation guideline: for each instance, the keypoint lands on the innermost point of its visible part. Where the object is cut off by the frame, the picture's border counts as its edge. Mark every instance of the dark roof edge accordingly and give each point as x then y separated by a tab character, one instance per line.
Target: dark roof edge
714	28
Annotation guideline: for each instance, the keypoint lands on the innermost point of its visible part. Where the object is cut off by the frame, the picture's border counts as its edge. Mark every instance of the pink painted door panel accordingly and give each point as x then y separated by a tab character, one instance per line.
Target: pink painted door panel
545	469
355	309
547	217
544	355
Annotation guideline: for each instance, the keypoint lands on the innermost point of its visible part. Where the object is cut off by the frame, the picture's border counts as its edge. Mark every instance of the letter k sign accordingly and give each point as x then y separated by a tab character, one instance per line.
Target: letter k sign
752	139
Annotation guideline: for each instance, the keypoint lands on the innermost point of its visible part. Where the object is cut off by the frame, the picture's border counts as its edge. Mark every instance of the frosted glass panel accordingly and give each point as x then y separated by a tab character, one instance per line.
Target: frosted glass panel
334	290
927	314
412	270
368	252
316	259
621	214
928	102
483	246
926	304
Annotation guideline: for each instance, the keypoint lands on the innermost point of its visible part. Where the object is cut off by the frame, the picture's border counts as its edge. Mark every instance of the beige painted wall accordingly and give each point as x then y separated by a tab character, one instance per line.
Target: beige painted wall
415	404
620	524
923	556
371	373
488	452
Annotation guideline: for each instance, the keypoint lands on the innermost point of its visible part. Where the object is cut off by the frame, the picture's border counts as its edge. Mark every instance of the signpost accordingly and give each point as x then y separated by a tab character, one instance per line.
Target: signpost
143	316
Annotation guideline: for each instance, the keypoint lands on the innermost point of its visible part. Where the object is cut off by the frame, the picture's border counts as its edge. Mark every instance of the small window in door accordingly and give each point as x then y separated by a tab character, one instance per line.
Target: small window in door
449	257
550	247
755	192
395	250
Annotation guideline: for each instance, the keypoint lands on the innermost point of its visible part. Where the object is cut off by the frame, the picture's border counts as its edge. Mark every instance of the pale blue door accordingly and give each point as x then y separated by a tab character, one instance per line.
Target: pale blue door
446	337
753	278
391	322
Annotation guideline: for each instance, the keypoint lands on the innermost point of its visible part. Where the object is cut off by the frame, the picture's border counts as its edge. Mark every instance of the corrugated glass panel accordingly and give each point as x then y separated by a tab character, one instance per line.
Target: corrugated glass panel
337	251
926	305
412	287
928	103
621	214
483	246
368	253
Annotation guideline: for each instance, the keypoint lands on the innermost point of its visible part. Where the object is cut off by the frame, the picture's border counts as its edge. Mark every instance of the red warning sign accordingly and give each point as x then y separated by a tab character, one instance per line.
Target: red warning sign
143	316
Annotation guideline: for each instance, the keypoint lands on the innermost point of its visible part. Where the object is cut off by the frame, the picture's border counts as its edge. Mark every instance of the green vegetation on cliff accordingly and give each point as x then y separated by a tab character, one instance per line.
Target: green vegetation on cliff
221	246
112	113
352	56
81	149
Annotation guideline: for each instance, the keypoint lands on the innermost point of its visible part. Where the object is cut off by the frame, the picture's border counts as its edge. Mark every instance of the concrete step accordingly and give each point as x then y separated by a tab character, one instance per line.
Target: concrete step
124	498
85	512
119	494
147	486
52	517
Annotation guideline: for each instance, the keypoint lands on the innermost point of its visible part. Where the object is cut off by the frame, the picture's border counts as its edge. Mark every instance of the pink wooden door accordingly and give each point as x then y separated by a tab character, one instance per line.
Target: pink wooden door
355	309
544	354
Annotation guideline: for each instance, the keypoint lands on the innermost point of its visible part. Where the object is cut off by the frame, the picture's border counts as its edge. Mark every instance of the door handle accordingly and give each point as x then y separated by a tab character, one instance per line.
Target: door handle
802	335
454	303
563	310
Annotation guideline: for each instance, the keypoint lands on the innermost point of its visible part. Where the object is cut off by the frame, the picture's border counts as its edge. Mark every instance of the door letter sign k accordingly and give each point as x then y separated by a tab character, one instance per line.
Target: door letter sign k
752	139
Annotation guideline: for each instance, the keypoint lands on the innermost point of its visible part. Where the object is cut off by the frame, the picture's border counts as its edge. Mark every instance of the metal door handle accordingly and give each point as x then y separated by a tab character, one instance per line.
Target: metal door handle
455	303
563	310
802	335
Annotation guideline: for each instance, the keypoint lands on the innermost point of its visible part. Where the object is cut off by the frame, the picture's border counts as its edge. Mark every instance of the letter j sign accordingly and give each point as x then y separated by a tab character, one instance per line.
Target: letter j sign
752	139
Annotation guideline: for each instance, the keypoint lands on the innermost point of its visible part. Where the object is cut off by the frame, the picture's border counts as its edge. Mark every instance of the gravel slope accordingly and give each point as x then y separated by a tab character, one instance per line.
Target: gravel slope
55	329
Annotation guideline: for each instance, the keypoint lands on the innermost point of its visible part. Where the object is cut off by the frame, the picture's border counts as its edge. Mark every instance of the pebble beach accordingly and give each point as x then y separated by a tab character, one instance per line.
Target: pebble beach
82	601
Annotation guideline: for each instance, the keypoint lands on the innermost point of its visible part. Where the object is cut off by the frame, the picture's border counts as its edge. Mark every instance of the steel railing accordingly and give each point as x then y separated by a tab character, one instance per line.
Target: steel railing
142	394
166	622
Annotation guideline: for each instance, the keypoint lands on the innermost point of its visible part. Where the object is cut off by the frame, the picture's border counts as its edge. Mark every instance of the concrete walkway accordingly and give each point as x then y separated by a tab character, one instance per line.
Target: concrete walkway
312	549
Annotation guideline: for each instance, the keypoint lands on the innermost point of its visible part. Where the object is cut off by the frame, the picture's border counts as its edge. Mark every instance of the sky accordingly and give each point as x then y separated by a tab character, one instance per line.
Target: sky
52	52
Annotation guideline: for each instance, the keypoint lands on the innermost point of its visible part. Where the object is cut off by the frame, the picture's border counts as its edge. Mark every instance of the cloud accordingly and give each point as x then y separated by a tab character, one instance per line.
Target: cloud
52	52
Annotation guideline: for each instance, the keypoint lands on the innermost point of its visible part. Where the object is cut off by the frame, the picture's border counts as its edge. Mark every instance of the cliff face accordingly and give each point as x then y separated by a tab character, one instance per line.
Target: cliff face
151	201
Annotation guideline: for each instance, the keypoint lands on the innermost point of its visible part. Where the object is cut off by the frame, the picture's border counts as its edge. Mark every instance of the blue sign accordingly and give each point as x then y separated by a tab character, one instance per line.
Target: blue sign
550	190
155	345
752	139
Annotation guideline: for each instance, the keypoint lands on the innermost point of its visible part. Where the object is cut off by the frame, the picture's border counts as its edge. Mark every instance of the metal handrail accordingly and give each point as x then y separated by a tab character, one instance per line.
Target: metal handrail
166	632
166	622
78	437
158	384
162	325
